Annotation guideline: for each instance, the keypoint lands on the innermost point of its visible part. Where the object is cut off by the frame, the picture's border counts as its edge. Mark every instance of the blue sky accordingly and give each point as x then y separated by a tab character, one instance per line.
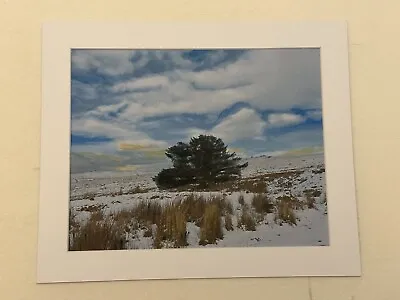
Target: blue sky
128	105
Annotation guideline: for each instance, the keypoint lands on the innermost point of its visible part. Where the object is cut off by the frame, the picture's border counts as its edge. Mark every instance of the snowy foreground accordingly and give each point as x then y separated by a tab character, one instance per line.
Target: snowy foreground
296	176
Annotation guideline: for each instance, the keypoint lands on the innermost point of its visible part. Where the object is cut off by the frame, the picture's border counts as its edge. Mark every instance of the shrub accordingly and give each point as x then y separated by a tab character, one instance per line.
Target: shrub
204	161
261	204
172	178
210	230
246	221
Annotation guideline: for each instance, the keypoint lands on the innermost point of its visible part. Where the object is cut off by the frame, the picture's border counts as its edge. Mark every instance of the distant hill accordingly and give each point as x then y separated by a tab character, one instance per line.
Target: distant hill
293	152
303	151
90	162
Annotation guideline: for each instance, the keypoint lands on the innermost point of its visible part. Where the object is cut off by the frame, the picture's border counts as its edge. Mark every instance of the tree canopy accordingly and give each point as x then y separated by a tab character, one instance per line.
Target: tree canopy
204	160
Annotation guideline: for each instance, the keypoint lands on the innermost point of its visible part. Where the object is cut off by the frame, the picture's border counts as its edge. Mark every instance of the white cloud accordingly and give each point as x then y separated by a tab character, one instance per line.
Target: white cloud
269	79
150	82
275	78
284	119
103	109
122	62
85	91
93	127
105	147
145	142
121	133
178	97
107	62
244	124
314	115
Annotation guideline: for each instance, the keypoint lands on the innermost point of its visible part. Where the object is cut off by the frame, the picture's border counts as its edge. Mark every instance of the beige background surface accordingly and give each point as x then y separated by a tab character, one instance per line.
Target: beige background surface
374	28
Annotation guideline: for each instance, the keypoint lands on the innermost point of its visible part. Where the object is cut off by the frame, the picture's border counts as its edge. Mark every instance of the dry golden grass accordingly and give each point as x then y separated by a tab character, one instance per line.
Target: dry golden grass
98	233
246	220
248	185
210	213
106	233
74	226
170	220
224	206
171	227
255	184
291	201
97	216
261	204
310	201
147	212
285	207
211	230
193	207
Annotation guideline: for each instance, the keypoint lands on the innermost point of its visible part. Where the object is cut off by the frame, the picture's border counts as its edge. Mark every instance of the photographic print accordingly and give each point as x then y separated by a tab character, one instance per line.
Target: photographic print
196	148
173	151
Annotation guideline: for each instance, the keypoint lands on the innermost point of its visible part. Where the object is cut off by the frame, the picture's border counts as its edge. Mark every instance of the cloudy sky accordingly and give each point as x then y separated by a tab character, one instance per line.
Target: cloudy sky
128	106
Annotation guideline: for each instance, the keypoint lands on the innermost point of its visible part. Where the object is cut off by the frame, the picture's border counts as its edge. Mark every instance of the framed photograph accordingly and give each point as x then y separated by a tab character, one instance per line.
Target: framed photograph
196	151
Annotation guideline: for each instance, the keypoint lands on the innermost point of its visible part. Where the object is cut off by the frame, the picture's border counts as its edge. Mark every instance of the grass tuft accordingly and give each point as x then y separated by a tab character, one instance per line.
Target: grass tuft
262	204
285	210
98	233
171	228
211	230
246	220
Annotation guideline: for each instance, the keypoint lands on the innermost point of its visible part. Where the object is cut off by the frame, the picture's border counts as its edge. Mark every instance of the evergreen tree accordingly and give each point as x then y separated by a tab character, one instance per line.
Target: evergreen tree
204	160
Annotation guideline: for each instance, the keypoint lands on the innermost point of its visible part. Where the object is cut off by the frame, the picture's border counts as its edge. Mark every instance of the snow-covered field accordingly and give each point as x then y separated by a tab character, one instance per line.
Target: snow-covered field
295	176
